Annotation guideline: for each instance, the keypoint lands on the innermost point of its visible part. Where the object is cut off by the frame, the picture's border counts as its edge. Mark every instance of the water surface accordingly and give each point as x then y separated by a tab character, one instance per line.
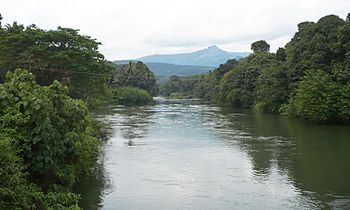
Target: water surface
192	155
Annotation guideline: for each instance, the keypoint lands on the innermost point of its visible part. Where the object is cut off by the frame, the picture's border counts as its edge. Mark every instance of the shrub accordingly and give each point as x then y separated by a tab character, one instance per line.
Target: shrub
15	191
53	135
131	96
318	98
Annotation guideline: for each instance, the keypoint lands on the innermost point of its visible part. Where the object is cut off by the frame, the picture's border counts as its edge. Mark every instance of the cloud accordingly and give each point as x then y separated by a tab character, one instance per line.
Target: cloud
134	28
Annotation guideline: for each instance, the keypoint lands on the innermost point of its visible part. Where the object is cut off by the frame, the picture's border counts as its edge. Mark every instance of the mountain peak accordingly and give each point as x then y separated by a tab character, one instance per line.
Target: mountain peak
214	48
211	56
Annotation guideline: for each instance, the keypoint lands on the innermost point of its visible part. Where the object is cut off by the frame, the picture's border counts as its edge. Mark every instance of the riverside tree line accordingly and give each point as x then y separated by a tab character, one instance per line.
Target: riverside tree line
309	78
49	78
49	143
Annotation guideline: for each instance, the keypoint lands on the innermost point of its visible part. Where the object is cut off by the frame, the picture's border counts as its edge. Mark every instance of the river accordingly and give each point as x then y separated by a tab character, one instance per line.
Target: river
187	154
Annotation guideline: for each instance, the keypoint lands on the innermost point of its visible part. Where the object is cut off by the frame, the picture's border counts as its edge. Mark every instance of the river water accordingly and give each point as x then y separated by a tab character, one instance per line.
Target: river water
181	154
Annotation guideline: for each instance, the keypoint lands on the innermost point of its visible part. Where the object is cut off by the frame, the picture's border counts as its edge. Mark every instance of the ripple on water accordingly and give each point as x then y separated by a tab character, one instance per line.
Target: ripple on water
199	156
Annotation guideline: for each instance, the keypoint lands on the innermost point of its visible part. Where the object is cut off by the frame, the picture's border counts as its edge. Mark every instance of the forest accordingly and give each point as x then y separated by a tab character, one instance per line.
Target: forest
50	80
309	78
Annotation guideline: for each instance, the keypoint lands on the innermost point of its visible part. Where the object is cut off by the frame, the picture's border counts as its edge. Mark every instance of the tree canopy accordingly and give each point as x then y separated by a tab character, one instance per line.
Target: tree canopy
260	46
62	54
134	74
309	78
52	133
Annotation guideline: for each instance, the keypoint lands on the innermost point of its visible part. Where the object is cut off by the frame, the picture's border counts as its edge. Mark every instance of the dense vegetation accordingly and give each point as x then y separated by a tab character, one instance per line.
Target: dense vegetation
133	84
309	78
48	141
61	54
181	87
47	144
71	58
131	96
134	74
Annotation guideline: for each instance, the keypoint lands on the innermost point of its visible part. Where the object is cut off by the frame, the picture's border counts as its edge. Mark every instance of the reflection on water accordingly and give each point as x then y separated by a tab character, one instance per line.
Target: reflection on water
190	155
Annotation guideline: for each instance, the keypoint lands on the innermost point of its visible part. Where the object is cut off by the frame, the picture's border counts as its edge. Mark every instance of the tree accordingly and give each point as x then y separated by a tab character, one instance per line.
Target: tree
281	54
53	132
213	78
15	191
260	46
61	54
204	86
314	46
238	85
134	74
318	98
271	90
175	84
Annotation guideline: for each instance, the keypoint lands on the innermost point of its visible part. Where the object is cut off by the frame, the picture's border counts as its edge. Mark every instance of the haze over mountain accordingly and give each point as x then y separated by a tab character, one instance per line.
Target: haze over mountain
211	56
186	64
163	71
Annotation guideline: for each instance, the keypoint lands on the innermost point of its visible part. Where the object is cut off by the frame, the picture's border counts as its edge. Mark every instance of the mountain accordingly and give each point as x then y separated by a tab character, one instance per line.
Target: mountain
211	56
173	69
186	64
163	71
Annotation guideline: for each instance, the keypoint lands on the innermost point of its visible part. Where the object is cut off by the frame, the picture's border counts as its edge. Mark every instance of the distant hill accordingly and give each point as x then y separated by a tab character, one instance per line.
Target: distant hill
163	71
211	56
186	64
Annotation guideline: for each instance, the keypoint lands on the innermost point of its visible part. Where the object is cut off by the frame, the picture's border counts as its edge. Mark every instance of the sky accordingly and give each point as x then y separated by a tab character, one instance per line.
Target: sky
134	28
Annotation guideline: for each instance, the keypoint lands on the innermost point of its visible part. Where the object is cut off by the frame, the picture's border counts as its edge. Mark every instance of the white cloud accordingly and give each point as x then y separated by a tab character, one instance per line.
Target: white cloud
134	28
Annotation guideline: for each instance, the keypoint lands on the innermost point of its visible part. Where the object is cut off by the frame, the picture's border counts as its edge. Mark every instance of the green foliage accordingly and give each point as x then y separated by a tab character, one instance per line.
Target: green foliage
204	86
15	191
54	200
163	71
238	85
173	85
283	82
133	84
180	86
281	54
325	46
61	54
135	74
210	84
260	46
271	89
54	128
52	134
318	98
314	46
131	96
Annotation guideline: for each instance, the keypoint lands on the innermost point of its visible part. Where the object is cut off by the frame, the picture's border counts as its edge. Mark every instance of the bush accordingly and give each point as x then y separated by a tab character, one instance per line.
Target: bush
318	98
53	135
135	74
131	96
15	191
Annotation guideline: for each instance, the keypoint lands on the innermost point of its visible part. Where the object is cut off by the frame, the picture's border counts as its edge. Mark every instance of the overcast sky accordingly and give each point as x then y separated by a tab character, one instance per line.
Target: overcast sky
134	28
